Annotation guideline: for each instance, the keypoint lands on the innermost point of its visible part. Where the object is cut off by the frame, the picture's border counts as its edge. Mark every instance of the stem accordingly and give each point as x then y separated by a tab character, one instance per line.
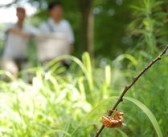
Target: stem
120	99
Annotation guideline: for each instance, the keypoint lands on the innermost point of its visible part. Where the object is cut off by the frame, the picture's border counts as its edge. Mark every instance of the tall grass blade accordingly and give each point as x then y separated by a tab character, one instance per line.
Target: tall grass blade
148	113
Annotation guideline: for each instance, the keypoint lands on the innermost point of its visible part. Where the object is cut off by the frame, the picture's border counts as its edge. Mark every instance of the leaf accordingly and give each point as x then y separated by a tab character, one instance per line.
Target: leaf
126	56
122	133
148	113
136	8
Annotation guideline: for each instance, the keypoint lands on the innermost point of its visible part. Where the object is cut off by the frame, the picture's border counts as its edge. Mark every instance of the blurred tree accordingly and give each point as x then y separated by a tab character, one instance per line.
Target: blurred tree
87	24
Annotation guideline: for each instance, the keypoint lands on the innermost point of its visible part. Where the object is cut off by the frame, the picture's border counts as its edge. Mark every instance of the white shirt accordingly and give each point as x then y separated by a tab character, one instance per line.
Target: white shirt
54	40
15	45
50	27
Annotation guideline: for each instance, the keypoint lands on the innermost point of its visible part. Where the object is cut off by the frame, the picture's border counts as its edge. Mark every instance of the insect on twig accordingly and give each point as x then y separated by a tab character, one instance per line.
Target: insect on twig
107	121
113	121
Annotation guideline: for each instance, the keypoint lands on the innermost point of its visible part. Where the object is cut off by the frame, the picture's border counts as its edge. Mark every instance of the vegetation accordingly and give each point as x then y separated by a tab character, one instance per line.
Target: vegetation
61	103
50	101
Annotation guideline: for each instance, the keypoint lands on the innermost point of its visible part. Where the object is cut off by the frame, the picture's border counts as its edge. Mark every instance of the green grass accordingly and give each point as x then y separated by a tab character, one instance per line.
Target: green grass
63	103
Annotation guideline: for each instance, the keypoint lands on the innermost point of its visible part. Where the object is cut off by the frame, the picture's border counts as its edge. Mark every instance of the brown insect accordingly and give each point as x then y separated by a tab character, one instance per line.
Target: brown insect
113	121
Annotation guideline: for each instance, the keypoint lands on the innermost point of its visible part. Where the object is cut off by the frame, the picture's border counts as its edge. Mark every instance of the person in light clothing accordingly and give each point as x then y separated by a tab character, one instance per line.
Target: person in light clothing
16	43
56	35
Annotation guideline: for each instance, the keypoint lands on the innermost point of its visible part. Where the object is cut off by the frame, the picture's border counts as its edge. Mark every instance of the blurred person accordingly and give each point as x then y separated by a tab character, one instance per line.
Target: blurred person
16	43
58	35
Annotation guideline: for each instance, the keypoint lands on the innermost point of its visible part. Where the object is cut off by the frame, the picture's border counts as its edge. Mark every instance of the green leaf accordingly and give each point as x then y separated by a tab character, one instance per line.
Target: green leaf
126	56
148	113
122	133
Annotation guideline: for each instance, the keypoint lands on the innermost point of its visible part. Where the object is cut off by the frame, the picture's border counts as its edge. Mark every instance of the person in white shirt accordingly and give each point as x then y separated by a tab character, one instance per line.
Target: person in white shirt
59	37
16	43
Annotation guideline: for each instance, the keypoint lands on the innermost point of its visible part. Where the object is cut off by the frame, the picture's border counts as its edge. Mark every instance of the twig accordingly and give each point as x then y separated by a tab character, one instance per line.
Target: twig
120	99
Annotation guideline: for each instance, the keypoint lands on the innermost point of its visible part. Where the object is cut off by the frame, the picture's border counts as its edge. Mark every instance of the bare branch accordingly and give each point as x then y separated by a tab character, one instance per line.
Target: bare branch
120	99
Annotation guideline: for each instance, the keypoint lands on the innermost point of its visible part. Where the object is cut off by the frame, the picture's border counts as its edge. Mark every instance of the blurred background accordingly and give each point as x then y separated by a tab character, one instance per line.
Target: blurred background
103	28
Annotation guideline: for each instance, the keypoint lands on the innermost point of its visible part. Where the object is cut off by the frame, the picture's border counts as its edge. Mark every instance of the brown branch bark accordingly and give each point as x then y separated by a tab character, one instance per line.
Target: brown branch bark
120	99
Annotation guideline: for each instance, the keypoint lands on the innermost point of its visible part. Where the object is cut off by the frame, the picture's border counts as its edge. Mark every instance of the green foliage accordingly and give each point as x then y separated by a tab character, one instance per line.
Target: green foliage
148	113
150	24
70	103
111	21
